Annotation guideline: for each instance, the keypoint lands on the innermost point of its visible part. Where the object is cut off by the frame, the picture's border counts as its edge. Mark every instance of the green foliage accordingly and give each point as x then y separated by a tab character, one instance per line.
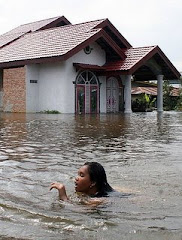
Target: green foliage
148	100
143	103
51	112
179	102
169	102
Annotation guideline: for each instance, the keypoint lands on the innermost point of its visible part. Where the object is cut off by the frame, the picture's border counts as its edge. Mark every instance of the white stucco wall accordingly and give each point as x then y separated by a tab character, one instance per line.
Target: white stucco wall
52	86
32	89
54	89
97	56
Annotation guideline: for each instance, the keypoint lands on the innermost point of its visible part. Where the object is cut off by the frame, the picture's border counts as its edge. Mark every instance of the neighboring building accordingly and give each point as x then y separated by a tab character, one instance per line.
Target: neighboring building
150	89
176	83
82	68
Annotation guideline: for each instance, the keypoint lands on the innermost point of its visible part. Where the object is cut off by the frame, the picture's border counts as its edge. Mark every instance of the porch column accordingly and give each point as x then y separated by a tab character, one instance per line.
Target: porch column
160	93
127	94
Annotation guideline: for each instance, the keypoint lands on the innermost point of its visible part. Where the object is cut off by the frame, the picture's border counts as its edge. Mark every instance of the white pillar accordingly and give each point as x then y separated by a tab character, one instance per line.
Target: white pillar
127	94
160	93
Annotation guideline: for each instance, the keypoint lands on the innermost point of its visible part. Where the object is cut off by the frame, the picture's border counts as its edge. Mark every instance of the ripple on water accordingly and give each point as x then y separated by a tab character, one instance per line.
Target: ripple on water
140	152
3	157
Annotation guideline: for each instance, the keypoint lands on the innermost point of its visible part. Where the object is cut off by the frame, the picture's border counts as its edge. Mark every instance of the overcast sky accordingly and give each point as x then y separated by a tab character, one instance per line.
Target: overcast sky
141	22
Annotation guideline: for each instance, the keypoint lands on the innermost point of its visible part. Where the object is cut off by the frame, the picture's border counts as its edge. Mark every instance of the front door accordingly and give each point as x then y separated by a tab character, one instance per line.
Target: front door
112	95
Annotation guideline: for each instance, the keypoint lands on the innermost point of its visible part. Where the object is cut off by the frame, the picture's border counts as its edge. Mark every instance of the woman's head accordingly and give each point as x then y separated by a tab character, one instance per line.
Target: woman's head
92	179
98	176
83	182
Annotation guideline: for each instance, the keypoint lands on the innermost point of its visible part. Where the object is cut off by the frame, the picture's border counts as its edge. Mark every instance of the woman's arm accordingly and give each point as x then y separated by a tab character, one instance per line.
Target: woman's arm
61	189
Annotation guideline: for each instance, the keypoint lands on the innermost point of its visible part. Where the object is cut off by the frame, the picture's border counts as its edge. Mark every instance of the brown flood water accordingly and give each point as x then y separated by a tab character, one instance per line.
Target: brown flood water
141	153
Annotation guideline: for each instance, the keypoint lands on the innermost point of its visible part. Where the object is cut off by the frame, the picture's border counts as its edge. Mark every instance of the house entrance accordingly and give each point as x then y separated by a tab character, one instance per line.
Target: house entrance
112	94
87	93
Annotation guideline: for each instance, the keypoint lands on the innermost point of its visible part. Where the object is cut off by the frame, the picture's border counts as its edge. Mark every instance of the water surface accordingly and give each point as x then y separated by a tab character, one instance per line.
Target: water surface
141	154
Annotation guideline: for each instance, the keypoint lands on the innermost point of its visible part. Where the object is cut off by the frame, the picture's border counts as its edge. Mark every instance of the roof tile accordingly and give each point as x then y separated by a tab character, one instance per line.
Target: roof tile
48	43
152	91
133	56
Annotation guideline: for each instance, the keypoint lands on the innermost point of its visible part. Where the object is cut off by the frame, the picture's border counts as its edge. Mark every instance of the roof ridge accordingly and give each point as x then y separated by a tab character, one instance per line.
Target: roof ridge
40	20
102	19
55	28
153	46
76	24
64	27
15	30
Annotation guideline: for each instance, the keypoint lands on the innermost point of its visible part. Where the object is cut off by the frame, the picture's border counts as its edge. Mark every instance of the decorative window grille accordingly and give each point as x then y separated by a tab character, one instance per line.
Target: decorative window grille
87	93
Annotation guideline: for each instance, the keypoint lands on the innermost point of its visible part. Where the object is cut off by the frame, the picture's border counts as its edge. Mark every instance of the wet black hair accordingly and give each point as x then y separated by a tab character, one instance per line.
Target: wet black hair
98	175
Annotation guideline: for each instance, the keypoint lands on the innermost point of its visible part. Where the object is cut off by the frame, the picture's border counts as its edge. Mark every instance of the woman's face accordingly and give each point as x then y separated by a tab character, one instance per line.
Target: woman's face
82	181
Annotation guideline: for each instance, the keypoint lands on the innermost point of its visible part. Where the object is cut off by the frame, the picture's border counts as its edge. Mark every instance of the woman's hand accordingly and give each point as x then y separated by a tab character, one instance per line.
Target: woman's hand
61	189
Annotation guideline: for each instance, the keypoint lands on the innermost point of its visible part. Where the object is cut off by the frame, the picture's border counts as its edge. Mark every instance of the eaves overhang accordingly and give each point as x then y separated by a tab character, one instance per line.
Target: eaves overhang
20	63
91	67
108	24
95	37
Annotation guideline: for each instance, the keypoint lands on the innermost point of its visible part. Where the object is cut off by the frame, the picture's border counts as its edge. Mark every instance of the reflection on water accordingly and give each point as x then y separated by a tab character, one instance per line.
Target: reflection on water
141	153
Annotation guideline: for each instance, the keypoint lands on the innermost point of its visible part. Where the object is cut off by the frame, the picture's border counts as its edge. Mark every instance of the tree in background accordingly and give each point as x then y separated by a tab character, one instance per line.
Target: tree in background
169	102
143	103
179	103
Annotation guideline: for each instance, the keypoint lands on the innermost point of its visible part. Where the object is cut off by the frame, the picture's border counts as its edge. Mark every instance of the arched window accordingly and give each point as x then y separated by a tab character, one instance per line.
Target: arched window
87	93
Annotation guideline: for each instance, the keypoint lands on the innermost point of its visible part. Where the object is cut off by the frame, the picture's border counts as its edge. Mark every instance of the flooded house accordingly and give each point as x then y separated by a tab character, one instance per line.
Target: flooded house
75	68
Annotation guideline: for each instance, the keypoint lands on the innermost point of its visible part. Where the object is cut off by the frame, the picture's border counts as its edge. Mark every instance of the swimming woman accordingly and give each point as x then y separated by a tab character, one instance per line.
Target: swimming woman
91	181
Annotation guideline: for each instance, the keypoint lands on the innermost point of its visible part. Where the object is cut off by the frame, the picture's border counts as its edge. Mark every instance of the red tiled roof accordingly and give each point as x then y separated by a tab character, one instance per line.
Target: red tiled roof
133	56
25	28
48	43
147	90
53	42
152	91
